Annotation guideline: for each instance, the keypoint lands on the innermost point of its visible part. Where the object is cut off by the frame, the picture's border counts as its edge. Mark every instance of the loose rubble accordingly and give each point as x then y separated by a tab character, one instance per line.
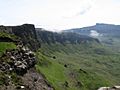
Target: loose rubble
17	60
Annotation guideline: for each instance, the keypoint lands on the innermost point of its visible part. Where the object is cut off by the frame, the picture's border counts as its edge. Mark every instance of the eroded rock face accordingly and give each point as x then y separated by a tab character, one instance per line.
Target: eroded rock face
26	32
17	70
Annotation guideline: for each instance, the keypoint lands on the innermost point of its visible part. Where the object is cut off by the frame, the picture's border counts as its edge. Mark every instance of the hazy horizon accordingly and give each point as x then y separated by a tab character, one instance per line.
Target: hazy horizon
59	14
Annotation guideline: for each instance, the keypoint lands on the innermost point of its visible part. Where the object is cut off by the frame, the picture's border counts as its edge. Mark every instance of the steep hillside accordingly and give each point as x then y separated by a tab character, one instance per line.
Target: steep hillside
63	38
79	67
77	62
17	61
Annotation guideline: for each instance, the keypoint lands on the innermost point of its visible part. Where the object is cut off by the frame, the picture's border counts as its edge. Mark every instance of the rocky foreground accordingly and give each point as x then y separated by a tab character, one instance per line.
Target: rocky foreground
18	72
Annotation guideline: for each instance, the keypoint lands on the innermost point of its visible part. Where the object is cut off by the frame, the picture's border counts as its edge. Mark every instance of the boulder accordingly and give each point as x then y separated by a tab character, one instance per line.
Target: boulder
110	88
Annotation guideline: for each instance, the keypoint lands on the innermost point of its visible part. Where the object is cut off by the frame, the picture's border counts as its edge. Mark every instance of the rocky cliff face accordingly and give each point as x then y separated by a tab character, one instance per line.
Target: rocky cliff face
17	71
26	32
17	66
63	37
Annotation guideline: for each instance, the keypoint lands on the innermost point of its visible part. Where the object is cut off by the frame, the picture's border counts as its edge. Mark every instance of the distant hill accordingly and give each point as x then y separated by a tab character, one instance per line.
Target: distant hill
63	37
107	33
102	29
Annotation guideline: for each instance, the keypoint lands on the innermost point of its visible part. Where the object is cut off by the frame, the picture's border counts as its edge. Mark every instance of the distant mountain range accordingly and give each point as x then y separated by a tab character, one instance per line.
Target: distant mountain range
104	32
63	37
98	29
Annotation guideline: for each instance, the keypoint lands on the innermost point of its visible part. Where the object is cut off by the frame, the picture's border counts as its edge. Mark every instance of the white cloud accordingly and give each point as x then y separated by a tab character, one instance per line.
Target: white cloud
94	33
59	14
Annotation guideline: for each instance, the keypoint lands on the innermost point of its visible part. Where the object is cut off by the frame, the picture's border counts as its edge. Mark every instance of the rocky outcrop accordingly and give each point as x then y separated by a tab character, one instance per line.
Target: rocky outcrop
17	60
26	32
17	71
17	66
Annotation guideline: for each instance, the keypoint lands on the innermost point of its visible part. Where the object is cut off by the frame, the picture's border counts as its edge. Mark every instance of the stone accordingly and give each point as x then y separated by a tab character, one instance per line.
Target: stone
12	57
10	69
23	66
110	88
104	88
22	87
17	63
116	87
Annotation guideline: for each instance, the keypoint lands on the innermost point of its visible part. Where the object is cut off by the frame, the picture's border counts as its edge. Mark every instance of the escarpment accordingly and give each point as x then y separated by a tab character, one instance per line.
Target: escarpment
17	65
26	32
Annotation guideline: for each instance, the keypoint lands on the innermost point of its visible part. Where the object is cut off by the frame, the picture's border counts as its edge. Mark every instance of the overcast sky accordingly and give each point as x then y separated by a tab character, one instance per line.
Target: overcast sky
59	14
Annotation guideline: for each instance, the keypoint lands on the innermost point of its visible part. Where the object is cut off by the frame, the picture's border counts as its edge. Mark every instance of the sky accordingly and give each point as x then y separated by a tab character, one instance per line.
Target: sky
58	15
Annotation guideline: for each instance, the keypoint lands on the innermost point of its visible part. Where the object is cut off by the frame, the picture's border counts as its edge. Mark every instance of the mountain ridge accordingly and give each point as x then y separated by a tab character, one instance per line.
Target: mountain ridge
107	33
63	37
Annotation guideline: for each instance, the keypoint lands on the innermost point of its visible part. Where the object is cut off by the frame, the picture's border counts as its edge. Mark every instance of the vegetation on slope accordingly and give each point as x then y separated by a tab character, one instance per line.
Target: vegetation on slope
4	45
79	66
17	66
3	35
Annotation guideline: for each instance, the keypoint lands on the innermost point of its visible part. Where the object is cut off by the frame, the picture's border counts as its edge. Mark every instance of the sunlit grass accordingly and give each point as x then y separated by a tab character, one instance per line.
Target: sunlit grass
101	64
6	45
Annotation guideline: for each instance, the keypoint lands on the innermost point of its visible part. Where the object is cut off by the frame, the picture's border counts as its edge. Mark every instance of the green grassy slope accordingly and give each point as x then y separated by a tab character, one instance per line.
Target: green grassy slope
11	36
3	47
6	45
79	66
